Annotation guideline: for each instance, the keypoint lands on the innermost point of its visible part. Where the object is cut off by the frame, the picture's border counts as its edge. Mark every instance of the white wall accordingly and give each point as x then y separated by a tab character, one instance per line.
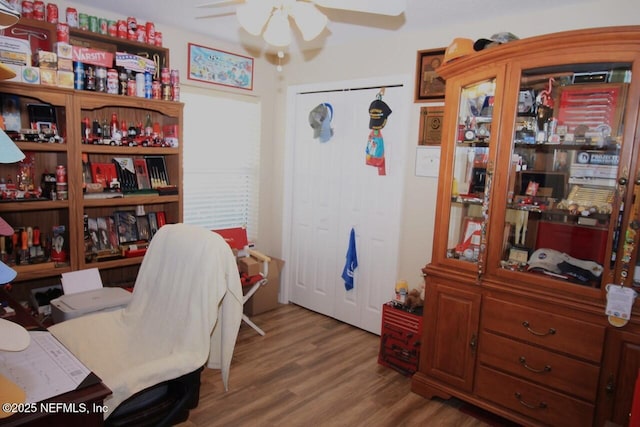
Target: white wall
391	56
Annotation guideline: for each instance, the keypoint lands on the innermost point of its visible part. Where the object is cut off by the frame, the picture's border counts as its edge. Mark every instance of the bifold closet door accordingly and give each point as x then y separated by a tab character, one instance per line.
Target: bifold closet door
333	190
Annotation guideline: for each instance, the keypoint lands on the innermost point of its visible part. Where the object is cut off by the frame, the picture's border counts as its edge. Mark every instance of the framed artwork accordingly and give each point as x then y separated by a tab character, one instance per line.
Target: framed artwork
219	67
429	85
430	125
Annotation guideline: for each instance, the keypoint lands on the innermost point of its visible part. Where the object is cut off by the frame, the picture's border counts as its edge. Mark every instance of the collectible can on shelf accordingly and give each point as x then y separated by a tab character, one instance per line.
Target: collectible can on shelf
101	79
148	85
151	32
27	9
158	39
131	87
132	28
175	93
166	92
61	174
38	10
93	24
165	76
78	72
141	34
123	81
71	15
140	85
89	78
121	26
112	81
52	13
156	90
83	21
175	77
112	28
62	32
103	26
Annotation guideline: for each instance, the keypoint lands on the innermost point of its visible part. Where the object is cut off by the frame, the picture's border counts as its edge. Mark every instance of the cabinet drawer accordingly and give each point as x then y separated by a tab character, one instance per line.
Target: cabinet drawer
539	365
572	336
544	405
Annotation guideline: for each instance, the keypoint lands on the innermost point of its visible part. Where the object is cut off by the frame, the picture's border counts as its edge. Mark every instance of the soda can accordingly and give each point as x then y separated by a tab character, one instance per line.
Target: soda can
52	13
71	15
158	39
175	93
148	85
140	85
38	10
62	32
103	26
165	76
132	28
61	174
156	90
83	21
151	32
78	75
166	92
112	81
175	77
27	9
93	24
112	28
121	31
131	87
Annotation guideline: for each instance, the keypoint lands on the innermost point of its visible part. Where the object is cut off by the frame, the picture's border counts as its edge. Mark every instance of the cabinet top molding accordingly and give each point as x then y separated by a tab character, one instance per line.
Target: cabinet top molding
591	39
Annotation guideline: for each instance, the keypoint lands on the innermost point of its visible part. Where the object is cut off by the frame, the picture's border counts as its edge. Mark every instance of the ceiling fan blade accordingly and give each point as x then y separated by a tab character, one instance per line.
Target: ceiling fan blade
379	7
216	15
217	3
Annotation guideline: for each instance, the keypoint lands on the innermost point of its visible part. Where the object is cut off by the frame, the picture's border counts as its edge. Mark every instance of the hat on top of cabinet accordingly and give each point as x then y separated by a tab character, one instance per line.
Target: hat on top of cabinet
458	48
495	40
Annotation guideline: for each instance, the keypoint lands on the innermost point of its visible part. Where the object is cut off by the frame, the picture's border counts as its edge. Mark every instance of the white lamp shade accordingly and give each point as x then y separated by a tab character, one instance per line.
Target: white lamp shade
310	21
9	151
253	15
278	32
8	15
13	337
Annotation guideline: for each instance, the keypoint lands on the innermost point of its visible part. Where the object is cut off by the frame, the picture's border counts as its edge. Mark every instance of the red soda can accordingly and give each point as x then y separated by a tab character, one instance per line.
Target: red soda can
141	34
175	78
175	93
131	87
61	174
156	90
52	13
112	28
38	10
62	32
132	28
121	29
151	32
165	76
27	9
158	38
72	17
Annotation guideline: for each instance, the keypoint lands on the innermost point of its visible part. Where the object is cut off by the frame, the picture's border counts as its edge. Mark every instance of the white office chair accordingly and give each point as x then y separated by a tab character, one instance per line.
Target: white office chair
185	313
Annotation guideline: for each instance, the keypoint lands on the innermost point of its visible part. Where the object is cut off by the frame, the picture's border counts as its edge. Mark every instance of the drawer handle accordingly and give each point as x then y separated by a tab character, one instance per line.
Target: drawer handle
540	405
551	331
523	362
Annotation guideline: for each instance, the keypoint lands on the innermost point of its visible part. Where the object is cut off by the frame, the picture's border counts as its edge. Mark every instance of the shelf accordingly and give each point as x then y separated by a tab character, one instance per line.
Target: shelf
35	205
124	150
39	271
130	201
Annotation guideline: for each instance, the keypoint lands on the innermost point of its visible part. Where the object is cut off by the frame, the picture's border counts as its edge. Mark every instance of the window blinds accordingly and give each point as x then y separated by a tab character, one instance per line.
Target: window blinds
221	160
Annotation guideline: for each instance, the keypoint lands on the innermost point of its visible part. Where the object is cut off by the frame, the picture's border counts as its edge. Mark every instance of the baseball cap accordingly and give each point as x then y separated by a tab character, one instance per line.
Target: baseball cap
546	259
458	48
378	113
320	121
494	40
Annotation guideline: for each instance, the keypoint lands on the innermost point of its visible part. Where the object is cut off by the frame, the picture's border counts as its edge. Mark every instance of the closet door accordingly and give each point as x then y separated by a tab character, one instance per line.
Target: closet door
334	190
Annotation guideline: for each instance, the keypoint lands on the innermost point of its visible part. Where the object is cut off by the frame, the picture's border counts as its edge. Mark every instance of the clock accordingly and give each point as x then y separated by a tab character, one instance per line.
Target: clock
469	135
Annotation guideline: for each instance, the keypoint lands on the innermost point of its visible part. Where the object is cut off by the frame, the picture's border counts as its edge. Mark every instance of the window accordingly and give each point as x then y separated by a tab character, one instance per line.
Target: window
221	160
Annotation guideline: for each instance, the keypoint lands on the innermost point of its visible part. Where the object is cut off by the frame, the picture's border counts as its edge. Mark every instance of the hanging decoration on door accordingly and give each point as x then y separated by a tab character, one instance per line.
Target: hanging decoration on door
379	111
320	121
350	265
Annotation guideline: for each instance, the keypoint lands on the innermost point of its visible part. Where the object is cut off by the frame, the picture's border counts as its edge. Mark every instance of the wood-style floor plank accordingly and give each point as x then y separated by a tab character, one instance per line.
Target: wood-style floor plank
312	370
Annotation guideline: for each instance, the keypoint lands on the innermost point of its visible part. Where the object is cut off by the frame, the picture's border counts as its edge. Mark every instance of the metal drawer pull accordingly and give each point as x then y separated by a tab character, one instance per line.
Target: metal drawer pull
523	362
540	405
551	331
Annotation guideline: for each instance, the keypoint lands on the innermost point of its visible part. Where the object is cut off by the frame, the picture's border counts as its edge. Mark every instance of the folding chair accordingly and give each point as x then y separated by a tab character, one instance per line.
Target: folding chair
237	239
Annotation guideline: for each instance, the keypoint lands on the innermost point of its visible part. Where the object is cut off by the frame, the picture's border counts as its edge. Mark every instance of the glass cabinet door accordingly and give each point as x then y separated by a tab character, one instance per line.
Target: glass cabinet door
473	140
567	152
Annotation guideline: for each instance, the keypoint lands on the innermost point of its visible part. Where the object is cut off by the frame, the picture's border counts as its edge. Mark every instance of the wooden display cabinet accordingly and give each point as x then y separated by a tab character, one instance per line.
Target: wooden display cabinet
515	323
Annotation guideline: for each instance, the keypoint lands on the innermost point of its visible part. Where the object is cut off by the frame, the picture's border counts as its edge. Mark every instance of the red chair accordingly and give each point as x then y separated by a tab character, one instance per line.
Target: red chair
237	239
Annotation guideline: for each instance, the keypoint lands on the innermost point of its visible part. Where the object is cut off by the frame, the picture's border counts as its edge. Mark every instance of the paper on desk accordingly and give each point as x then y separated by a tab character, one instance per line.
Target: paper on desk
81	281
44	369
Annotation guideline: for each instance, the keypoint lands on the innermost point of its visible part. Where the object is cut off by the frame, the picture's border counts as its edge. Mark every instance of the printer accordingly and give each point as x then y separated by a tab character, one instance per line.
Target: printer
84	294
75	305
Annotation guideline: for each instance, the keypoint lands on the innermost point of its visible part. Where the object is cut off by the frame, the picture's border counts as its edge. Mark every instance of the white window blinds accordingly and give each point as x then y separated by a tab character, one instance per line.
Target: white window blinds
221	160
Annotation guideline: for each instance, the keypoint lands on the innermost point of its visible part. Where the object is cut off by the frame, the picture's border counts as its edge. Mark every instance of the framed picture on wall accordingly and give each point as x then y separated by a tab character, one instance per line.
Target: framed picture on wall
430	132
215	66
429	85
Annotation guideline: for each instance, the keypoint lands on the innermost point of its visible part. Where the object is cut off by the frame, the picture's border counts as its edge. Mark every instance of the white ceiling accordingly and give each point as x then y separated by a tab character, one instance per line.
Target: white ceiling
343	27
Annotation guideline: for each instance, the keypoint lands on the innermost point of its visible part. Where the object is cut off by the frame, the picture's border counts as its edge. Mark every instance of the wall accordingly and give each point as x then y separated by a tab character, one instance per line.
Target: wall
395	55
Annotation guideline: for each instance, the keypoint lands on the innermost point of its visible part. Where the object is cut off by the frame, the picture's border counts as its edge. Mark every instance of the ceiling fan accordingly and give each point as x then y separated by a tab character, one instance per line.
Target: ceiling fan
271	17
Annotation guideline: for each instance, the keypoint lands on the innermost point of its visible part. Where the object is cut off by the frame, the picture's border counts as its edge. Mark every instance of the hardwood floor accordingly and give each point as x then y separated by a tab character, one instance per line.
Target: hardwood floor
311	370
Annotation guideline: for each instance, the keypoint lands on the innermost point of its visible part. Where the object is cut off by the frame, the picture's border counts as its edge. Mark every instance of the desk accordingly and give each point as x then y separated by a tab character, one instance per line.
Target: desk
91	396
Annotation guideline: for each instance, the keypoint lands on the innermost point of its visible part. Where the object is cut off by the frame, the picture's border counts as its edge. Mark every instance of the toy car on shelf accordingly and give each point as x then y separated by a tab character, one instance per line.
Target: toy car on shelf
33	135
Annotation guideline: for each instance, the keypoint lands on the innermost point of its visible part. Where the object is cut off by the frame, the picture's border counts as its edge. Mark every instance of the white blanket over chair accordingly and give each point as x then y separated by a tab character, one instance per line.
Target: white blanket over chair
185	312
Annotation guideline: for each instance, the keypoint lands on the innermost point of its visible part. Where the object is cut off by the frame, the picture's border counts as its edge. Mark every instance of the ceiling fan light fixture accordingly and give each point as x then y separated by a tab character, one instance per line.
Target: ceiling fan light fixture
278	31
8	15
253	15
310	21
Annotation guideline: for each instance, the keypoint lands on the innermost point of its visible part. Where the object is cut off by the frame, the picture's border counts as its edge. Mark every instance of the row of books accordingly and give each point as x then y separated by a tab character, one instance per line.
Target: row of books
147	174
110	235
